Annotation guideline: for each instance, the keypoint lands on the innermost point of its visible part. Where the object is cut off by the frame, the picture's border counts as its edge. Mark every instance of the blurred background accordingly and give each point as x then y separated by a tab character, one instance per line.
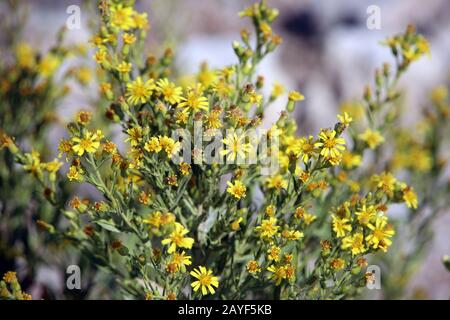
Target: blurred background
328	53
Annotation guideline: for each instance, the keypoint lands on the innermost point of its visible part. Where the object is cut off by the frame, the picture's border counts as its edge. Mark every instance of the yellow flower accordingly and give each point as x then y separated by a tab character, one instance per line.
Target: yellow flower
355	243
341	226
213	120
122	17
134	136
75	173
194	100
140	21
381	234
253	267
268	228
53	166
128	38
303	147
372	138
100	55
179	262
308	218
386	182
350	160
153	145
139	92
236	189
296	96
9	277
89	143
24	55
48	65
177	239
235	225
278	274
410	197
345	119
169	91
206	281
366	214
185	168
276	182
337	264
236	148
270	210
277	90
274	253
330	145
169	145
124	67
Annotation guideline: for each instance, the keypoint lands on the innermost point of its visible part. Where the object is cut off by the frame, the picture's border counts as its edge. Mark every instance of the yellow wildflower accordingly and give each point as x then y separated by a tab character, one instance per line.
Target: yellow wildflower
268	228
206	281
169	91
89	143
341	226
381	234
372	138
355	243
236	189
330	145
177	239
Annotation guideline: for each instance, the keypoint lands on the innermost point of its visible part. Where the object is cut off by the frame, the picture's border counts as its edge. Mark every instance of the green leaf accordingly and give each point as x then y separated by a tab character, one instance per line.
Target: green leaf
108	225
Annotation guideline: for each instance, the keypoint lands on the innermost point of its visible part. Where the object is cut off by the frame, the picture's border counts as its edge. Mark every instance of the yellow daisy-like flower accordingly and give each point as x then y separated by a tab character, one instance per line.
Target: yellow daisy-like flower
278	274
48	65
355	243
410	197
170	92
381	234
236	147
179	262
366	214
236	189
194	100
253	267
268	228
372	138
124	67
341	226
75	173
276	182
128	38
139	92
134	136
274	253
330	145
337	264
385	181
177	239
121	17
169	145
345	119
302	148
89	143
153	145
350	160
206	281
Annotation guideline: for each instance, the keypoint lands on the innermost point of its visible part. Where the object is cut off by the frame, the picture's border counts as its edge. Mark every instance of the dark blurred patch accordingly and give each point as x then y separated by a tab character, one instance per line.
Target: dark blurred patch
350	20
305	25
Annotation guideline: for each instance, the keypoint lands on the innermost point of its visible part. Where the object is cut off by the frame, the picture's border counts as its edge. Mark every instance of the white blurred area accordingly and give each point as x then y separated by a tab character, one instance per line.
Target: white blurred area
328	54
